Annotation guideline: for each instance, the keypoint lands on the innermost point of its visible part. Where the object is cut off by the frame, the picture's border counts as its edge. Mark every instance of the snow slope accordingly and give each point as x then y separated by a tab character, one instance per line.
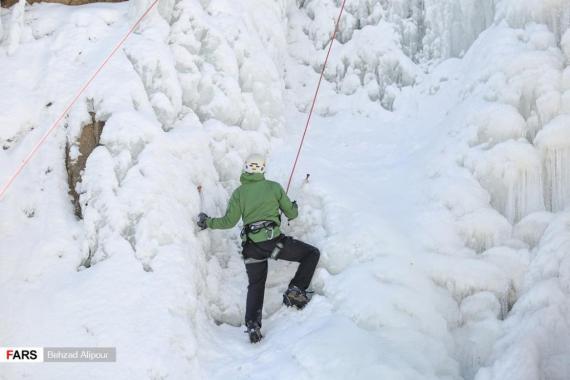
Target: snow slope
438	188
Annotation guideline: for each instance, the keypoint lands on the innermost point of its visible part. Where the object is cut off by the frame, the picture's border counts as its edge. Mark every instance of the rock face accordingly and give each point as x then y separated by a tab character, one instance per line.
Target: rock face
9	3
89	139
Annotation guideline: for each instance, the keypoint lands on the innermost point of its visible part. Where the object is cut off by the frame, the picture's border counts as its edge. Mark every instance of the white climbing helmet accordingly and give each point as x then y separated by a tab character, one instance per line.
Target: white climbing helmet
254	164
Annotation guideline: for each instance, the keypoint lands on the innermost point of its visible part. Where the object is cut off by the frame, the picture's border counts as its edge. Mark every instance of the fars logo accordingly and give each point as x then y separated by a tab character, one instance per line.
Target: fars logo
21	354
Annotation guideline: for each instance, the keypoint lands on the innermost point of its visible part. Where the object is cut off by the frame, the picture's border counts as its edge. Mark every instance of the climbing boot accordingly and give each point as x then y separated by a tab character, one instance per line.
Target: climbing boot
295	296
254	332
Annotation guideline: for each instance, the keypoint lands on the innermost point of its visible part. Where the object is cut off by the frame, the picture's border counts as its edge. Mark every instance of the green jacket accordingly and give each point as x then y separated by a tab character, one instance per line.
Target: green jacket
255	200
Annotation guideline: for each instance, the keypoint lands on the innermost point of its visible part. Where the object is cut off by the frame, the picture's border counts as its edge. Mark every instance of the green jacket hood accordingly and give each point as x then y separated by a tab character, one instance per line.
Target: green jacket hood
246	178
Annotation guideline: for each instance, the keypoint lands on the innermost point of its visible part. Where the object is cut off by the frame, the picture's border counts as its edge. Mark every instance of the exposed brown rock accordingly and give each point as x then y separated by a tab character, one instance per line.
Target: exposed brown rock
89	139
9	3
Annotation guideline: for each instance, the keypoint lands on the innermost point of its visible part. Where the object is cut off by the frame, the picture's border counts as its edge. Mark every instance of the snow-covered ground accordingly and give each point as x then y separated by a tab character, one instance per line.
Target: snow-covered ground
438	157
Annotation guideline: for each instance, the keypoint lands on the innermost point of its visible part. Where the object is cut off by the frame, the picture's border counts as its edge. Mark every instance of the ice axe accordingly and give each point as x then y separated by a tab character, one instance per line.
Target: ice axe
199	188
201	216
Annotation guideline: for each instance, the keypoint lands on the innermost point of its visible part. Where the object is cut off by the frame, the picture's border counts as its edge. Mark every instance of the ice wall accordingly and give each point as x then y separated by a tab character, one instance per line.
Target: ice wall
519	153
217	77
525	96
429	29
1	30
368	59
381	42
452	26
534	341
199	90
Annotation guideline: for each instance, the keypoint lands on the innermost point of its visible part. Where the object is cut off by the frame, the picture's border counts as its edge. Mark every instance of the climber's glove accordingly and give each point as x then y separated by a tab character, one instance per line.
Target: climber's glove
202	221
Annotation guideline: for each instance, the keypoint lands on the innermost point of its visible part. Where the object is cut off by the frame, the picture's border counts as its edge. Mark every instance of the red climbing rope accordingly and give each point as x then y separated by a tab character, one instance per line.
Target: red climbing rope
315	97
36	147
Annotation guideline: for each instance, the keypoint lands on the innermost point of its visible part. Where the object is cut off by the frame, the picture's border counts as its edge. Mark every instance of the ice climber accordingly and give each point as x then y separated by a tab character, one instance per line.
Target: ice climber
259	202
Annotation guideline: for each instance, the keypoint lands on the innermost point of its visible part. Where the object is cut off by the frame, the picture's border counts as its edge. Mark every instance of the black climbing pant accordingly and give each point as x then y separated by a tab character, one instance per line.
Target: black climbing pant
293	250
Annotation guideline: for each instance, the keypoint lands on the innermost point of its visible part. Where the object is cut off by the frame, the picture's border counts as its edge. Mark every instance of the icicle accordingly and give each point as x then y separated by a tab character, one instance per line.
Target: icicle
565	98
451	27
512	173
554	13
565	44
138	7
1	29
565	102
16	26
554	144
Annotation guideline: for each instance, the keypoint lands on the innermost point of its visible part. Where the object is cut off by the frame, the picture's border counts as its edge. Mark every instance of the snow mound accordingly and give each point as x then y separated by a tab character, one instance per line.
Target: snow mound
498	123
531	228
484	229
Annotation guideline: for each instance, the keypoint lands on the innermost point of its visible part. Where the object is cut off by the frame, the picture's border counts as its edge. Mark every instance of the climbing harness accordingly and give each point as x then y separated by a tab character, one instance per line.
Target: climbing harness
253	228
256	227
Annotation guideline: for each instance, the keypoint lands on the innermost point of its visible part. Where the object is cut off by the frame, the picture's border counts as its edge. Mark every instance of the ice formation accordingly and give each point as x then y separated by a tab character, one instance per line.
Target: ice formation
484	229
531	228
555	14
565	43
498	123
436	154
512	173
565	100
554	144
452	26
533	344
16	26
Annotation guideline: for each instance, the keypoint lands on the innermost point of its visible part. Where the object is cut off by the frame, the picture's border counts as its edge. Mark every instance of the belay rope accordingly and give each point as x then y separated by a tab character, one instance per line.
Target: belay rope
315	97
